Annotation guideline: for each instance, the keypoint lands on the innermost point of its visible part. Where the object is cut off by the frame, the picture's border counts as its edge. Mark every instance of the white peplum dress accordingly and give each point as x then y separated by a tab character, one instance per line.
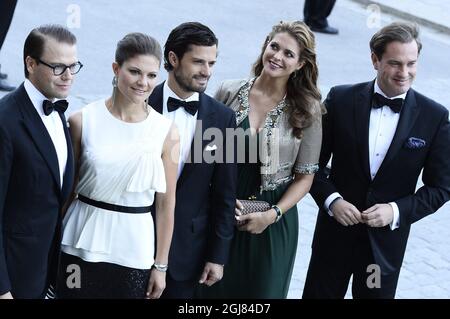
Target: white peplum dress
120	164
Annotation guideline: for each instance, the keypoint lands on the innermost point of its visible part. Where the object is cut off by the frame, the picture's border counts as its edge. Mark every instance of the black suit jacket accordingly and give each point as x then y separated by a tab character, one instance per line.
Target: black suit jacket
346	139
205	196
30	198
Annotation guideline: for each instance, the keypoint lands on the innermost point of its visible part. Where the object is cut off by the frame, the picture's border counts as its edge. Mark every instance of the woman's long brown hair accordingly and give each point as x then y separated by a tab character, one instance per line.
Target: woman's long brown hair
302	94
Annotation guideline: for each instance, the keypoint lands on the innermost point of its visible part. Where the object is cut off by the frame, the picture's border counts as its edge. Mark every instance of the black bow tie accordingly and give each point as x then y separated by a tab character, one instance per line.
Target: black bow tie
380	101
60	106
190	107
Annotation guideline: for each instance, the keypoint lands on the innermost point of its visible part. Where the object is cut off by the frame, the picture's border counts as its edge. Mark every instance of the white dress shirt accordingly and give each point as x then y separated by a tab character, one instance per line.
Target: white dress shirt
53	124
382	126
185	122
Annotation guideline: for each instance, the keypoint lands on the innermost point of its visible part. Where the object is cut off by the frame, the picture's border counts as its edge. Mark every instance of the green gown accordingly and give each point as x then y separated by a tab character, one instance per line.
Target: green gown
260	266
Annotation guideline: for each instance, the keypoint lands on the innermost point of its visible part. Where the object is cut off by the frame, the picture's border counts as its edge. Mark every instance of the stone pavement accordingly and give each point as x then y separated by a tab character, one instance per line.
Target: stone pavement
426	267
431	13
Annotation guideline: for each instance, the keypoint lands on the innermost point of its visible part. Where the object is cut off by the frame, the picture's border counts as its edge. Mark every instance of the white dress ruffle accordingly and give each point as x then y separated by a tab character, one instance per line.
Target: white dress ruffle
120	164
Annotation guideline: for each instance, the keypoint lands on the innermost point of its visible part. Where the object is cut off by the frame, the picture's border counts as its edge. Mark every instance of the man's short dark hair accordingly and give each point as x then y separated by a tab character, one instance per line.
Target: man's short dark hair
182	37
35	42
403	32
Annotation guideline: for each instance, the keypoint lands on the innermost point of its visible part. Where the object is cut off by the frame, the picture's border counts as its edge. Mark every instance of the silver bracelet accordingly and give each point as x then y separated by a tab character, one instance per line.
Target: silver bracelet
160	267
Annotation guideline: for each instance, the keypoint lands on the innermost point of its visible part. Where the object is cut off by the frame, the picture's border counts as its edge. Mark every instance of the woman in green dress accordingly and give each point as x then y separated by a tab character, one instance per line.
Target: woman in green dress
280	112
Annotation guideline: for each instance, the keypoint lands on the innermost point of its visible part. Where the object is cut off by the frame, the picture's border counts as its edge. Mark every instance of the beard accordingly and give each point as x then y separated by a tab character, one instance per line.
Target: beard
186	83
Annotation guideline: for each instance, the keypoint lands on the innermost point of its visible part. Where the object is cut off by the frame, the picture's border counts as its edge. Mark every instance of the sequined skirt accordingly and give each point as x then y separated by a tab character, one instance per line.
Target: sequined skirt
88	280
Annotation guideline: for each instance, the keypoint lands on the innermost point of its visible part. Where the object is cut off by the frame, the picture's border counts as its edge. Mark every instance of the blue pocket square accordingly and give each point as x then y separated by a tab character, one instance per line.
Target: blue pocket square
414	142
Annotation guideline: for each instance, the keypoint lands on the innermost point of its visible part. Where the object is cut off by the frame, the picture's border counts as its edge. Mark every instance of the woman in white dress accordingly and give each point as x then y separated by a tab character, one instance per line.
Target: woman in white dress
125	152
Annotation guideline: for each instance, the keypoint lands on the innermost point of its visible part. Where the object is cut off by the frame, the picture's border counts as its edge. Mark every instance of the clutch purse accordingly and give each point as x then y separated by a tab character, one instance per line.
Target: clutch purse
252	206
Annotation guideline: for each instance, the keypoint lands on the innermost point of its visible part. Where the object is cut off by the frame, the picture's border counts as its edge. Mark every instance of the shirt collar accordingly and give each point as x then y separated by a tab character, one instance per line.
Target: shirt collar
379	91
36	97
169	93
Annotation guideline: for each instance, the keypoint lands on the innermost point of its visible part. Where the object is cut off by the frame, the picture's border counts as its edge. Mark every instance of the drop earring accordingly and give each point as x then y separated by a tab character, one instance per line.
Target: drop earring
114	81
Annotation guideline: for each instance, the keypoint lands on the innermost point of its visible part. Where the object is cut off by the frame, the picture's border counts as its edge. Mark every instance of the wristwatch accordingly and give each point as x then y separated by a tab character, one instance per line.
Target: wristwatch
278	211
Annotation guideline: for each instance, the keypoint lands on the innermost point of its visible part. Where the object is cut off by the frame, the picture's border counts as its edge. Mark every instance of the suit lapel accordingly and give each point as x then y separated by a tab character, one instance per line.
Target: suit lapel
362	105
155	100
205	120
39	134
408	117
69	172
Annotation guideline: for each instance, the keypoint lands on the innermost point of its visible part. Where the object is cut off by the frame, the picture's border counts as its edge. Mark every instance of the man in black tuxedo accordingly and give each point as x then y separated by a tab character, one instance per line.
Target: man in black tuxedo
315	14
36	163
381	135
206	187
7	8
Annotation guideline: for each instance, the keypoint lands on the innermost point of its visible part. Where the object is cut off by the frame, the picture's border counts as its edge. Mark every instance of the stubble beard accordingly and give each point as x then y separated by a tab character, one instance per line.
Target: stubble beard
185	84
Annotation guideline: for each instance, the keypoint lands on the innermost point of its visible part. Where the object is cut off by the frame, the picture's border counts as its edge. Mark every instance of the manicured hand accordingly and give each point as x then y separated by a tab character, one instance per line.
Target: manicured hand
378	215
345	213
256	223
212	273
156	284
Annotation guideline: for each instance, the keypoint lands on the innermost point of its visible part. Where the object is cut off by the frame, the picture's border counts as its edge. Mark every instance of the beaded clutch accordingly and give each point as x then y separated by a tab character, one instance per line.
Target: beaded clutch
253	206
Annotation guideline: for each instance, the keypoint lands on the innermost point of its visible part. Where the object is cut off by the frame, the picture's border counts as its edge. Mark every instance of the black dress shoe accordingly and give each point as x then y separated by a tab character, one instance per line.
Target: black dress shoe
4	86
327	30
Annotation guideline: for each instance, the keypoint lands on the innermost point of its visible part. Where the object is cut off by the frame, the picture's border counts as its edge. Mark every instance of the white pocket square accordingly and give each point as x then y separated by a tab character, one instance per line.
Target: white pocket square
210	148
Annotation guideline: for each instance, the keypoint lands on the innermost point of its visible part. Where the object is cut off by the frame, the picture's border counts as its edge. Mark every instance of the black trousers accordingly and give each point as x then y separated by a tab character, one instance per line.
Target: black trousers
7	8
179	289
315	12
330	270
